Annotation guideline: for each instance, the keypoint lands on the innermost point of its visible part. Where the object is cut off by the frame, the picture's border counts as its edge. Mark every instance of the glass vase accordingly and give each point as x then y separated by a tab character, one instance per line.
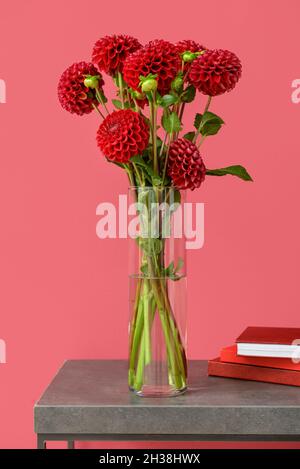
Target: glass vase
157	293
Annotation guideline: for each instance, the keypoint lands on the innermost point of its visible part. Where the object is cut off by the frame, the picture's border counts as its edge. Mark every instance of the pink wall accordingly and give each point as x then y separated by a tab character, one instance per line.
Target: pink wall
63	291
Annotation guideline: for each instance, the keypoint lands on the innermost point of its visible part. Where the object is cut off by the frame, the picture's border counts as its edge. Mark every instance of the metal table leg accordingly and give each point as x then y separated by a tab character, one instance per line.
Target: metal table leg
41	442
71	444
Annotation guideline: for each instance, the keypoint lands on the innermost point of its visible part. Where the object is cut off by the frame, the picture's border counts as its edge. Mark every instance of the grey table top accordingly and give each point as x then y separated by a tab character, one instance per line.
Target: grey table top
91	396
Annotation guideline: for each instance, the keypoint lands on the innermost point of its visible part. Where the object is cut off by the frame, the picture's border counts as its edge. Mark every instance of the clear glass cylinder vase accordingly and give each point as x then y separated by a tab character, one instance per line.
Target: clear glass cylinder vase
157	292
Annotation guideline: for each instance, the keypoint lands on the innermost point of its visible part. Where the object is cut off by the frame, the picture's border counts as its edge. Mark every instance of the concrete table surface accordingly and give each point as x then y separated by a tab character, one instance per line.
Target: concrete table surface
89	399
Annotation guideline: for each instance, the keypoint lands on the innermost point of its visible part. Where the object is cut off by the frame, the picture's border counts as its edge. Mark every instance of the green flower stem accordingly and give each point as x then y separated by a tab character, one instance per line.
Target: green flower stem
139	377
175	331
153	109
141	332
205	110
147	332
137	331
163	145
166	330
142	342
181	111
137	174
135	311
201	141
179	349
137	108
155	284
101	101
98	110
129	173
120	81
166	159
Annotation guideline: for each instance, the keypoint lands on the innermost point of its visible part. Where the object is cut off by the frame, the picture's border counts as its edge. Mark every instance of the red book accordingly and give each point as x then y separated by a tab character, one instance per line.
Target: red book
280	342
229	354
269	335
253	373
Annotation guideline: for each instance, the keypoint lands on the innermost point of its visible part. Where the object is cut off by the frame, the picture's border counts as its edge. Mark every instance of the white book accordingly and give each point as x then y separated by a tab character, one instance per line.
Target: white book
268	350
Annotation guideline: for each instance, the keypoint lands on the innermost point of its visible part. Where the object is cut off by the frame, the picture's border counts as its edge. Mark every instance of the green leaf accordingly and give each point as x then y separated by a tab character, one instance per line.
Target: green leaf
188	95
236	170
180	264
144	269
147	167
210	124
169	270
117	103
167	100
158	143
197	120
189	136
171	122
172	272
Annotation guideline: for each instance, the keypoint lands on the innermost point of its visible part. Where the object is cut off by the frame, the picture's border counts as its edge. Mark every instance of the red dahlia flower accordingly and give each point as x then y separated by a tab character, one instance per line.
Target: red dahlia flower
188	45
122	135
158	57
185	166
73	95
215	72
110	52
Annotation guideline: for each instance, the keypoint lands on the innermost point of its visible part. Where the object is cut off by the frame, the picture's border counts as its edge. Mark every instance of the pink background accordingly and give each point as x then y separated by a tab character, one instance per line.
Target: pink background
63	291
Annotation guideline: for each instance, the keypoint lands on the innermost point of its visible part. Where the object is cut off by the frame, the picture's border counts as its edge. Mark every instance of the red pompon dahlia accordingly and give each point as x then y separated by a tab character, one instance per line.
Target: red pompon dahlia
122	135
215	72
185	166
189	45
73	95
158	57
110	52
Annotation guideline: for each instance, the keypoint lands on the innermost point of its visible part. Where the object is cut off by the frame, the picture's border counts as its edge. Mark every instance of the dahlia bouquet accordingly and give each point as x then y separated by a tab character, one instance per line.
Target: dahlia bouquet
144	135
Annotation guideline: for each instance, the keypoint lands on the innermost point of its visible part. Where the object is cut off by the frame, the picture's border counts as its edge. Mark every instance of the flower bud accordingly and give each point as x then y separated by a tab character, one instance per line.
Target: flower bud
177	84
188	56
137	95
150	84
91	81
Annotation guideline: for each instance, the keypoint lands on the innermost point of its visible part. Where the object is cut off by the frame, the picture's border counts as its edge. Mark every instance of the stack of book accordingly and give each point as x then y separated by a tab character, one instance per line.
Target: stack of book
269	354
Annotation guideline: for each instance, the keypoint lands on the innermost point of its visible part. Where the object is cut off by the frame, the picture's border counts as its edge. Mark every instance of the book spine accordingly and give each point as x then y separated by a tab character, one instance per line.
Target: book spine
229	354
253	373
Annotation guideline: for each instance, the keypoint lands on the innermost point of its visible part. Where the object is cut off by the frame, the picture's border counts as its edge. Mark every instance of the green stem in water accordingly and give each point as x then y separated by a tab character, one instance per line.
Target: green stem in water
142	339
136	333
155	284
176	334
147	334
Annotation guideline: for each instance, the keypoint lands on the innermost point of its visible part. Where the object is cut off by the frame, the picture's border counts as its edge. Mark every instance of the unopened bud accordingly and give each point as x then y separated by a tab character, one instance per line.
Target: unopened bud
91	81
149	85
188	56
138	95
177	84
